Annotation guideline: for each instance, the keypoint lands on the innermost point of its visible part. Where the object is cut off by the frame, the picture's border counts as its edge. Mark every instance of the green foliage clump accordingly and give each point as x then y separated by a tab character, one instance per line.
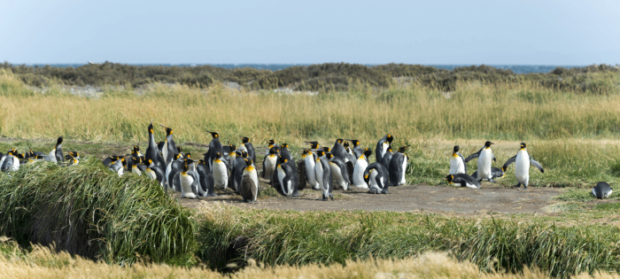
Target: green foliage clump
89	211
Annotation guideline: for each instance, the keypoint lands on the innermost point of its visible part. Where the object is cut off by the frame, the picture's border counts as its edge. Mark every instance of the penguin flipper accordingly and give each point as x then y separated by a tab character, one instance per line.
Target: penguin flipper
536	164
510	161
472	156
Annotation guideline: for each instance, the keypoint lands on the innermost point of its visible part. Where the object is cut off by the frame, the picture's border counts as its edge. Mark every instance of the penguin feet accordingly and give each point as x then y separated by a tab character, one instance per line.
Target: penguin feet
331	197
295	194
212	195
324	198
492	181
385	191
517	186
373	191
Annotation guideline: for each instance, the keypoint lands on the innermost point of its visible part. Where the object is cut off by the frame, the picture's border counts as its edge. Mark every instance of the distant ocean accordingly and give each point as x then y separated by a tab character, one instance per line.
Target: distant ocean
519	69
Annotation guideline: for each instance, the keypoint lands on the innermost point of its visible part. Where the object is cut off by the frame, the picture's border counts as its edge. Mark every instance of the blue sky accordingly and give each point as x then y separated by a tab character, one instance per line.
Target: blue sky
418	32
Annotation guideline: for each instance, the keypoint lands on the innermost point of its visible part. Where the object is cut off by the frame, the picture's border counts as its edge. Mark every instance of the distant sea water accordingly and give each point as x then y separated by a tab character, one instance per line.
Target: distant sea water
518	69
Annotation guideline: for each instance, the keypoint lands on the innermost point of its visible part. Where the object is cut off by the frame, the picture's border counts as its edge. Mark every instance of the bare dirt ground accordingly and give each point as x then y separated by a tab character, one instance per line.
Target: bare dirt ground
418	198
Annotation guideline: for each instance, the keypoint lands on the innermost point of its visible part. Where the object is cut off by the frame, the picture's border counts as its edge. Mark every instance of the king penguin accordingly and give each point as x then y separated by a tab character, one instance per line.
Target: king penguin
10	162
169	148
357	149
376	176
360	166
287	177
270	144
398	167
56	155
249	183
602	190
463	180
485	158
339	151
152	152
206	179
249	148
236	174
327	184
387	157
117	166
382	146
269	163
186	181
309	160
154	172
339	170
457	162
220	172
215	146
522	166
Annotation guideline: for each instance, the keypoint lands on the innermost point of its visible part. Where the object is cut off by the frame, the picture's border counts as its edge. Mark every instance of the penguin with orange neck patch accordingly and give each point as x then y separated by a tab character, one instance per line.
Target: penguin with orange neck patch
382	146
249	183
457	162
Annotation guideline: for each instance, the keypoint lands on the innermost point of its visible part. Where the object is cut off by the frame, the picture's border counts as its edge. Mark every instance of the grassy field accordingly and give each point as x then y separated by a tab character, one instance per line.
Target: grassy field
575	135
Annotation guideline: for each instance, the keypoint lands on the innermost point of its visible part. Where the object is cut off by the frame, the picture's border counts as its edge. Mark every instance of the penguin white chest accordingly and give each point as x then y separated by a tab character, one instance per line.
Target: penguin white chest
319	173
403	181
254	176
456	165
220	174
288	186
186	186
484	163
522	166
151	174
358	173
310	172
337	174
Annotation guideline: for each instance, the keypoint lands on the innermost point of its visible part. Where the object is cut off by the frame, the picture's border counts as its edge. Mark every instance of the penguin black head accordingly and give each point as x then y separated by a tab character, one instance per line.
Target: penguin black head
30	153
487	144
450	177
188	155
245	139
402	149
244	154
150	128
232	147
59	141
20	156
218	155
456	149
168	131
346	144
523	145
339	141
150	163
271	142
214	134
177	156
320	153
135	150
329	155
185	167
367	152
367	176
313	144
74	154
390	149
248	162
389	138
326	149
354	142
273	151
284	145
305	152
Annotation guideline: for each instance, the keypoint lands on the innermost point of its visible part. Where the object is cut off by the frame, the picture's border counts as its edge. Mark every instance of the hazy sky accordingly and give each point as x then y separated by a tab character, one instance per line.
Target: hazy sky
563	32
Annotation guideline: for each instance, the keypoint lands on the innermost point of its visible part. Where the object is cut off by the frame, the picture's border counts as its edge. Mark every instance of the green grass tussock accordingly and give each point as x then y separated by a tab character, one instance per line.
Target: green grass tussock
232	235
89	211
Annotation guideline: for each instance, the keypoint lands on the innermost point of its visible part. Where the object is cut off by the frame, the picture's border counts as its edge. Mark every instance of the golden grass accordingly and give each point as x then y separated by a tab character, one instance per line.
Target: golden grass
43	263
474	110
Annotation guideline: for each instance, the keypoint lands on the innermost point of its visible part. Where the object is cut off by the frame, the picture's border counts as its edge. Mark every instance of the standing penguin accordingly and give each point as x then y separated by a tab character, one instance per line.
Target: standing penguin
485	157
270	162
249	148
314	145
457	162
215	146
463	180
398	166
327	184
287	178
522	166
230	154
152	152
172	170
154	172
187	180
340	171
602	190
249	183
387	157
206	179
339	151
376	176
220	172
169	148
382	146
357	149
318	168
236	175
360	166
56	155
309	160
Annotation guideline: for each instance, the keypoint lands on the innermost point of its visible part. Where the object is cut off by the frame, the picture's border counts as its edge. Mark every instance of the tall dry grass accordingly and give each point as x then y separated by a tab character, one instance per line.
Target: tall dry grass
43	263
475	110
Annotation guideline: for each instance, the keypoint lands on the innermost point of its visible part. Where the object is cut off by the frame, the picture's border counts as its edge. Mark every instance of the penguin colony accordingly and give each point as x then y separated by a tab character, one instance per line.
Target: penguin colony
344	165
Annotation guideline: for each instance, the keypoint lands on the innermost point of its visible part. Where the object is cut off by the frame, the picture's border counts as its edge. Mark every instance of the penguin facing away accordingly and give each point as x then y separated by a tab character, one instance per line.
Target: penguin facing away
169	148
602	190
249	184
56	155
236	175
326	176
485	158
398	167
339	171
463	180
357	149
339	151
522	166
286	176
387	157
249	148
206	179
376	176
457	162
215	146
